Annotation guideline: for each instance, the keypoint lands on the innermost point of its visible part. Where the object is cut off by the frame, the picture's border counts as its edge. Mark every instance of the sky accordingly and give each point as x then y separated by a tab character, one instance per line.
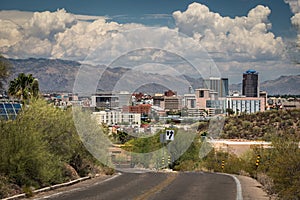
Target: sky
237	35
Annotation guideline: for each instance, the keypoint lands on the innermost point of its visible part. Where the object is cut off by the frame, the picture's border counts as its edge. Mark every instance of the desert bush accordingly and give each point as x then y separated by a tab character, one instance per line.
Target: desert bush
24	156
37	145
284	167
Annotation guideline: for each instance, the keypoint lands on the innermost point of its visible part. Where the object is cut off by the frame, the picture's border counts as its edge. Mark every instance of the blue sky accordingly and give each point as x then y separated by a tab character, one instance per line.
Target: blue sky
237	34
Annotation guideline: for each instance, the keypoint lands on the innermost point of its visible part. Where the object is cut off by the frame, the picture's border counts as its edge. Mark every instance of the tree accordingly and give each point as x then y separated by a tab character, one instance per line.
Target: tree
35	88
4	70
285	167
24	87
229	111
44	150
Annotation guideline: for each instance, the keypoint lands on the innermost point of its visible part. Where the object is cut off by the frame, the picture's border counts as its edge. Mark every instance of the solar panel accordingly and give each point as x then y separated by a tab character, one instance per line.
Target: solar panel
9	110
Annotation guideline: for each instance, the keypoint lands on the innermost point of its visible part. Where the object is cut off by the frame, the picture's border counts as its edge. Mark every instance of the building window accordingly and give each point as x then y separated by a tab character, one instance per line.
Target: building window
201	94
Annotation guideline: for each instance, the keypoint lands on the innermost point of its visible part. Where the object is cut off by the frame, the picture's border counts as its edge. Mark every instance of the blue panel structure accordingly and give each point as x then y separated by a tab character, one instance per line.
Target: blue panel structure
9	110
3	114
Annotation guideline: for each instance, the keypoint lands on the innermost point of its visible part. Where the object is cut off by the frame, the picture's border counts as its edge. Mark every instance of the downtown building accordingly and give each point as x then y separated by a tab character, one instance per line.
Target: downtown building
111	100
250	84
117	118
218	84
214	99
252	100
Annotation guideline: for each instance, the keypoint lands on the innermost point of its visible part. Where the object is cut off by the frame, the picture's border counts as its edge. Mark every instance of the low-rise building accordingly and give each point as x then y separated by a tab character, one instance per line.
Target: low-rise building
242	104
171	103
117	117
105	100
189	101
143	109
208	101
283	103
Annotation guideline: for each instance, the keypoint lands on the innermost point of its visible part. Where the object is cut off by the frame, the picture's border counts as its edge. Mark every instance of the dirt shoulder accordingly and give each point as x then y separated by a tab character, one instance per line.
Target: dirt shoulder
252	189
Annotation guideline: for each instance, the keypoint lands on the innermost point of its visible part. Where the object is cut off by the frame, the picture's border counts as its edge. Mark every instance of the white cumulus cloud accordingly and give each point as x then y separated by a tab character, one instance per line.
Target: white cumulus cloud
294	5
294	46
10	33
239	38
33	35
231	42
47	24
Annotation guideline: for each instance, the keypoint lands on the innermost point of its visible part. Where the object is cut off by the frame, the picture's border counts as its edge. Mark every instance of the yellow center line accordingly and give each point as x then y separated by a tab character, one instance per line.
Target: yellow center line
171	177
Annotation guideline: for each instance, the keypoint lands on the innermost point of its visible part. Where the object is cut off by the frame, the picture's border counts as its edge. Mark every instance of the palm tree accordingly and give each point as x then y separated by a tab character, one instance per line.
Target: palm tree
4	70
35	88
24	87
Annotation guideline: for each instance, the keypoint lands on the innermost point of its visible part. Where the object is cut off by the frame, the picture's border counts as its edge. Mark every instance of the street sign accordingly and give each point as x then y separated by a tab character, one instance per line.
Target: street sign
170	135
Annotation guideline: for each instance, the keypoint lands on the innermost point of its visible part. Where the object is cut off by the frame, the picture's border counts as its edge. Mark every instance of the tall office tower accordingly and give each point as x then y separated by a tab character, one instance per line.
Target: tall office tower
219	85
225	87
250	83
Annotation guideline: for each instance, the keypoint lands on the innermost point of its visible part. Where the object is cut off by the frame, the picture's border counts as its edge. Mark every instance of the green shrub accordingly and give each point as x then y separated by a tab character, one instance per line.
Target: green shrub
37	145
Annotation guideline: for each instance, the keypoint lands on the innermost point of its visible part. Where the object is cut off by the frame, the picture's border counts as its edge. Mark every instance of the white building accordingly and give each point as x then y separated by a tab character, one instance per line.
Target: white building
117	117
189	101
246	104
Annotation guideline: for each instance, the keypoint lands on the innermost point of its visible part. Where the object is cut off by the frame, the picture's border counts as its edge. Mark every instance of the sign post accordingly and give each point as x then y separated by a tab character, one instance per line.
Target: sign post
164	137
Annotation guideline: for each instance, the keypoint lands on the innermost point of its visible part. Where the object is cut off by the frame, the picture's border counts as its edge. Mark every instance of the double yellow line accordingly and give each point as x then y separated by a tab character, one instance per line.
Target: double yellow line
170	178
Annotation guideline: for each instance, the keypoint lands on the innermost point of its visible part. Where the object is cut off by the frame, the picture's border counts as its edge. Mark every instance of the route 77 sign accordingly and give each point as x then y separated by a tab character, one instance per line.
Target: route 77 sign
170	135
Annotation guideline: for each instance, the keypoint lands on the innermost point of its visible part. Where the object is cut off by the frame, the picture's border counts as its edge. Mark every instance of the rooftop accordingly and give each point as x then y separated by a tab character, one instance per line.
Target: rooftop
251	71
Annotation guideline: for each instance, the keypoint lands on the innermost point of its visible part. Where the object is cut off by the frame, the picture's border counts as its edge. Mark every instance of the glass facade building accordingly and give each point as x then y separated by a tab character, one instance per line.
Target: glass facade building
250	84
219	85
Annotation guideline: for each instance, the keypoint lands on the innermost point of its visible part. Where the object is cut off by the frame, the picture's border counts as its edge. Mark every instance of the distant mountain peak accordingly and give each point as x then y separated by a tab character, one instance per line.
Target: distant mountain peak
59	75
285	84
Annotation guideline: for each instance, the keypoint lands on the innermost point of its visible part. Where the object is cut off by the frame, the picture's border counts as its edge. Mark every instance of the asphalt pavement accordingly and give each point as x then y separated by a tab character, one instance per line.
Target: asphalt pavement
156	185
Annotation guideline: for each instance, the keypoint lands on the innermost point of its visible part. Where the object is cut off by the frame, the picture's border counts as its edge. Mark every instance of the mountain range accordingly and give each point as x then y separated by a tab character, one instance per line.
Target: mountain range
283	85
57	75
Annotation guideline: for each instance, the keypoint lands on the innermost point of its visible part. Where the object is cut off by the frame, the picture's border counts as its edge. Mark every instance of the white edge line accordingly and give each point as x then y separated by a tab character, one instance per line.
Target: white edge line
239	194
76	189
109	179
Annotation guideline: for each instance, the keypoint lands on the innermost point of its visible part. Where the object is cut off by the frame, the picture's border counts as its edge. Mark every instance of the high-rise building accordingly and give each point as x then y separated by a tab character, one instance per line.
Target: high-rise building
219	85
250	83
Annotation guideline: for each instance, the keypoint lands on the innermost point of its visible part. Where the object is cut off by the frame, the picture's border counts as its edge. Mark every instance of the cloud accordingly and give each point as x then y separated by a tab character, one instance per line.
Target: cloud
10	33
294	5
83	38
34	34
237	38
230	42
47	24
293	47
89	17
31	47
74	37
15	16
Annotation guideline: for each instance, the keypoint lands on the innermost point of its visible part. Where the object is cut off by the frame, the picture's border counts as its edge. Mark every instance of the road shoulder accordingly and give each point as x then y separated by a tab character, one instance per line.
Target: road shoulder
252	189
77	186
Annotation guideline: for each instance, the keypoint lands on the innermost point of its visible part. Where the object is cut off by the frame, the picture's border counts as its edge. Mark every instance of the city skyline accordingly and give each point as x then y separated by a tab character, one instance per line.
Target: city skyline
238	35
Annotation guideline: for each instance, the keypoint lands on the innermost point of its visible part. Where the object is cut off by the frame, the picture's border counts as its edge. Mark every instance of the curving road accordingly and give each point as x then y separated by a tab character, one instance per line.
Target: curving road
158	186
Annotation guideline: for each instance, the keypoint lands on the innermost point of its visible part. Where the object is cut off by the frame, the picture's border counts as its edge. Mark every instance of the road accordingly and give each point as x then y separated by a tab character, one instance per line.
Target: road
158	186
